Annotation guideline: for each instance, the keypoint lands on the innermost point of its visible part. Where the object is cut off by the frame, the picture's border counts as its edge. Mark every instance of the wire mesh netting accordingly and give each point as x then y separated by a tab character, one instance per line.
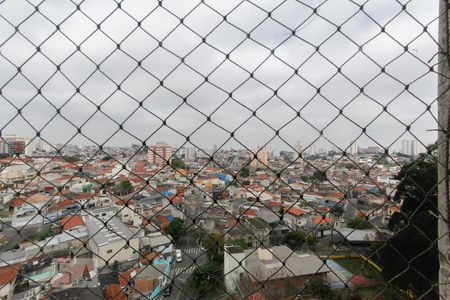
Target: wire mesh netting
210	149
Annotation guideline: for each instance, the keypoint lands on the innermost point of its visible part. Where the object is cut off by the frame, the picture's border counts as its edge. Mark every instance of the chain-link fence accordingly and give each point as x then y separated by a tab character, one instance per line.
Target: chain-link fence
302	153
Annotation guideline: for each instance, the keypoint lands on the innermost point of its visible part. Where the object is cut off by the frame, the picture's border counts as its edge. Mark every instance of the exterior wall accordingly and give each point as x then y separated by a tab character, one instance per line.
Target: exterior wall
118	253
4	291
159	154
231	269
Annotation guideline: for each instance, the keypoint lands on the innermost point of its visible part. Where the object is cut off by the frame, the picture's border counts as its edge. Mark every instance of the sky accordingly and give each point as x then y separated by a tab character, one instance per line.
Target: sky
186	71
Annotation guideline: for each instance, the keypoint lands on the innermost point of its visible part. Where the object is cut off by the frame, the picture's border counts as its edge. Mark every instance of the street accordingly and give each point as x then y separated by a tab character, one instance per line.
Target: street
192	256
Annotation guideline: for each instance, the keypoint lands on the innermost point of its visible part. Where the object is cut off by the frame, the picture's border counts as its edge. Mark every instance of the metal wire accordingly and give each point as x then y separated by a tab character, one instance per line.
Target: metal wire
207	36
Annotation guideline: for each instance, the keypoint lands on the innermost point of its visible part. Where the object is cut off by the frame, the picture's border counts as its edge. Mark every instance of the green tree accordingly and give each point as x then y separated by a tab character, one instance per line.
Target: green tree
359	223
175	228
319	176
204	280
294	239
244	173
311	240
124	187
213	243
410	259
319	288
177	163
115	266
43	233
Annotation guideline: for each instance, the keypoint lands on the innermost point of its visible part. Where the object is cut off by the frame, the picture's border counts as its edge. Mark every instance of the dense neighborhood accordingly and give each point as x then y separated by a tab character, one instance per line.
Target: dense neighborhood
160	221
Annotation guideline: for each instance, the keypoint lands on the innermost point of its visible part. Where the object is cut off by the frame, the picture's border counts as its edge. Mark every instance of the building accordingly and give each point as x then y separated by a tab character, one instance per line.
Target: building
354	148
406	146
411	147
298	147
37	145
12	145
7	278
278	267
159	154
262	157
111	242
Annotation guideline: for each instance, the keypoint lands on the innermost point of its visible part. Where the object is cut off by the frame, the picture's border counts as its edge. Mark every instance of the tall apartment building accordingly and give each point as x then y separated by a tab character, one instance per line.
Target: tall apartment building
262	157
354	148
12	145
299	147
159	154
412	147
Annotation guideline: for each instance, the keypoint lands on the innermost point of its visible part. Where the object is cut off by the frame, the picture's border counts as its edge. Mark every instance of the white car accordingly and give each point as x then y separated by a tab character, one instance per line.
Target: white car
178	255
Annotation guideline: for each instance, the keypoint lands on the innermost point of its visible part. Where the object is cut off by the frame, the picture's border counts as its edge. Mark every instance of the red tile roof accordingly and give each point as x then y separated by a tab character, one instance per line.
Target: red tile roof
8	274
70	222
321	220
296	211
113	292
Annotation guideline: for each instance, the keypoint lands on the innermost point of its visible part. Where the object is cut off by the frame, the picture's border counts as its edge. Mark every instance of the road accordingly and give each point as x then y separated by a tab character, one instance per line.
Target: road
14	236
192	256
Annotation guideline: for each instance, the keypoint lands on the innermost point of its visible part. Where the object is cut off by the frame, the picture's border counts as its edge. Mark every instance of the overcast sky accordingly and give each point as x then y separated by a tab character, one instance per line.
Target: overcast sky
275	50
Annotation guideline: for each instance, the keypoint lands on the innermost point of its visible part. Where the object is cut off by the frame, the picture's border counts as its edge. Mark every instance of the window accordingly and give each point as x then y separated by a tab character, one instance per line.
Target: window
109	251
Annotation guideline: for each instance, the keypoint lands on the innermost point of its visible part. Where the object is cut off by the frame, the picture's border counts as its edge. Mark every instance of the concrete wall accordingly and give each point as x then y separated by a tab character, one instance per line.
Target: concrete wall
443	149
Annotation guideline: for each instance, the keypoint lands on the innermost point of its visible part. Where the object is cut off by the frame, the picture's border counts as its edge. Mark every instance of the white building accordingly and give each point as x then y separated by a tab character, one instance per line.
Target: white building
354	148
111	242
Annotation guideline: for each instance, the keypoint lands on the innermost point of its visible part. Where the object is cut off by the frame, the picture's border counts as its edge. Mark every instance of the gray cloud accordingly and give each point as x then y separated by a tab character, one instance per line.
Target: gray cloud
273	71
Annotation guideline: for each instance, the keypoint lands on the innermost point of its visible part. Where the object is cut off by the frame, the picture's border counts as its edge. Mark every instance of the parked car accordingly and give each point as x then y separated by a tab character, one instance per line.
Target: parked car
167	290
178	255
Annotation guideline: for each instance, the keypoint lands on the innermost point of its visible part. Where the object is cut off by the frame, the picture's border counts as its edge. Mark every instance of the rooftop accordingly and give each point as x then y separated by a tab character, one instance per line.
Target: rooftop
113	231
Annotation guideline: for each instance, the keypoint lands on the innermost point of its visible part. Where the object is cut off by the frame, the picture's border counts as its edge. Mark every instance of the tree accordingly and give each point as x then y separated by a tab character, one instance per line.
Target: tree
244	173
124	188
319	176
319	288
175	228
115	266
359	223
43	233
204	280
410	259
294	239
337	210
177	163
213	243
311	240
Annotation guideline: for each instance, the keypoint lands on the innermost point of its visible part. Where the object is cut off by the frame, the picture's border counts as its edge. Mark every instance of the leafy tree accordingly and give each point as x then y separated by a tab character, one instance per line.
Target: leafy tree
311	240
337	210
410	259
244	173
294	239
175	228
319	288
359	223
177	163
43	233
319	176
124	187
213	243
115	266
204	280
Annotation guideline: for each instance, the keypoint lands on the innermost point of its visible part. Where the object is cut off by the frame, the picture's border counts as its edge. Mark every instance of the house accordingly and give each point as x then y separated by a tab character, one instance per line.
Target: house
112	241
7	279
74	222
143	282
159	243
278	267
79	273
